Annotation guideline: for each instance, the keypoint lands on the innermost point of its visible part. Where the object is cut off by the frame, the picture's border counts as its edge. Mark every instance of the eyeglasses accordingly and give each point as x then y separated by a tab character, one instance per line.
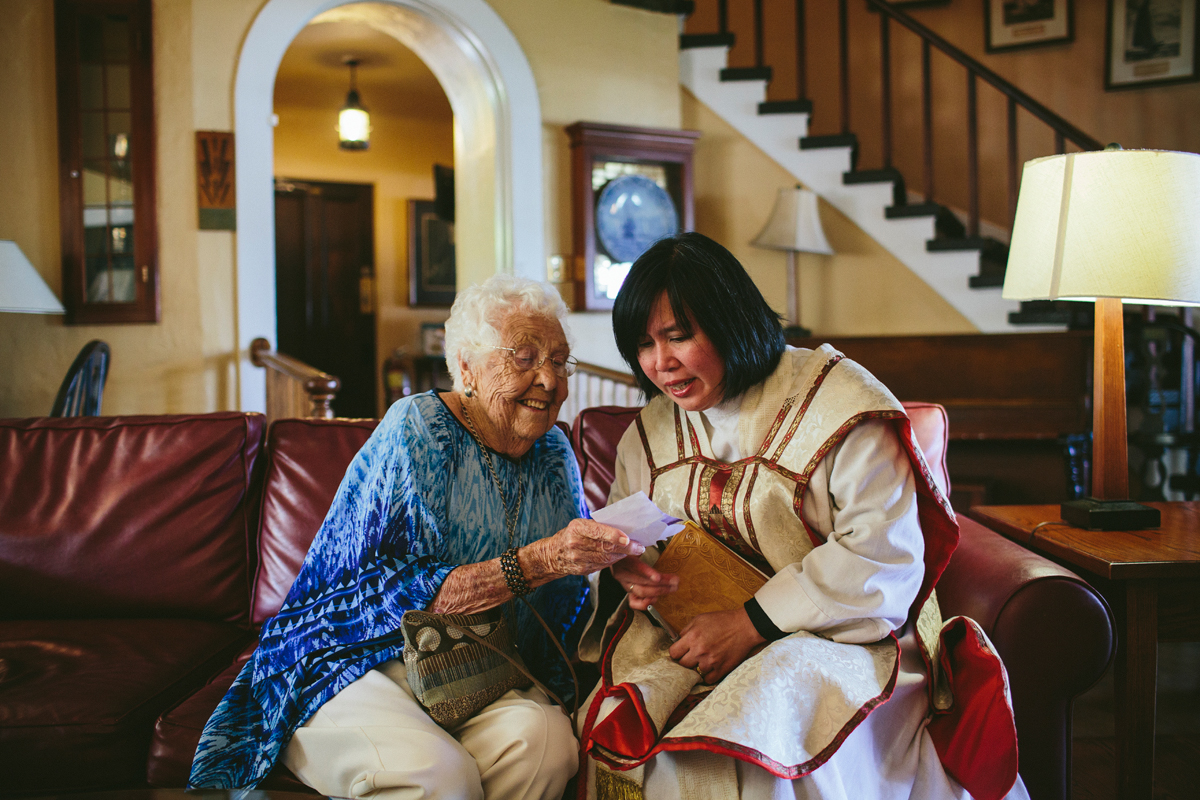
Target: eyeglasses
528	357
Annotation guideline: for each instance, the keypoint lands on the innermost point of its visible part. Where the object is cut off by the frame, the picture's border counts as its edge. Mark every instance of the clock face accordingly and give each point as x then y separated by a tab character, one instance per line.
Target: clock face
632	213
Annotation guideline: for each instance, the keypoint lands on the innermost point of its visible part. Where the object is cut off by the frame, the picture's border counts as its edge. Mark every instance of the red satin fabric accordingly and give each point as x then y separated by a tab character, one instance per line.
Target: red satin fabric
627	730
977	738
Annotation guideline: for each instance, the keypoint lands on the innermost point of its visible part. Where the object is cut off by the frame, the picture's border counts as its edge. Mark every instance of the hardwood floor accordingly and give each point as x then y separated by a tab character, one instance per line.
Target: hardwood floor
1177	745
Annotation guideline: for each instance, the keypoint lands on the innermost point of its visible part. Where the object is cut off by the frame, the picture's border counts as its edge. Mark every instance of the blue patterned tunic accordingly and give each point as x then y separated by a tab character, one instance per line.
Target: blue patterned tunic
417	501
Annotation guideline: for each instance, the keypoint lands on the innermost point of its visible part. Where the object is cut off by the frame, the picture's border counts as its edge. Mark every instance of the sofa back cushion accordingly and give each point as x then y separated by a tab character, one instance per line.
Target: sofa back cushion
127	516
597	431
305	462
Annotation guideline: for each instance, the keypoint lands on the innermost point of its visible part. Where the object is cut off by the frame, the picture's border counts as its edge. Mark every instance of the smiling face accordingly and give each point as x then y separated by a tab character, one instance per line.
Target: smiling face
686	367
513	409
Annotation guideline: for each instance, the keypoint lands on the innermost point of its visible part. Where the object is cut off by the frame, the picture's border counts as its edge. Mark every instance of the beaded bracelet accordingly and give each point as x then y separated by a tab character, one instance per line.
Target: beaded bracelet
514	576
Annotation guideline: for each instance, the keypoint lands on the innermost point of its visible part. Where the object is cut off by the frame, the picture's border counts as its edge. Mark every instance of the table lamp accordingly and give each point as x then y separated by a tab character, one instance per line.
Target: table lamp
22	289
794	227
1108	226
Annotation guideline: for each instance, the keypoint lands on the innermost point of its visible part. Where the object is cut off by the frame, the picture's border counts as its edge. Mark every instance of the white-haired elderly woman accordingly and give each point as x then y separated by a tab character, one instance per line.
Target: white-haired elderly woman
422	521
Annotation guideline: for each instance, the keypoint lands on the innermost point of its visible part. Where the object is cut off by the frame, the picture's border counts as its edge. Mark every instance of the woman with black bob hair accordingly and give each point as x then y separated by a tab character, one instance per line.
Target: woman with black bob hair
803	465
707	286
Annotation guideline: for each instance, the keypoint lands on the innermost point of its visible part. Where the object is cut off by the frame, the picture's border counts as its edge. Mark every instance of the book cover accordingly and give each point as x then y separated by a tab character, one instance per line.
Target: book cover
711	577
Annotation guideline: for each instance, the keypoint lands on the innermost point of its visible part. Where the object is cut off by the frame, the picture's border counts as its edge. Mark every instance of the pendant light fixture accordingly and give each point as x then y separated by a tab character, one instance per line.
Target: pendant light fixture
354	123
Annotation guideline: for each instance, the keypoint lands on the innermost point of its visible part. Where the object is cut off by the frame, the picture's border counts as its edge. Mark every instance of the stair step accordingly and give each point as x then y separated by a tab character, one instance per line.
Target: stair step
981	243
985	281
690	41
912	210
885	175
746	74
833	140
1040	312
785	107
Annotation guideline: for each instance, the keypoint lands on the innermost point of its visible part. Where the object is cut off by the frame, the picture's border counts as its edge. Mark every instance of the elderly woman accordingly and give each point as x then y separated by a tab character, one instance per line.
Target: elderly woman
457	503
804	465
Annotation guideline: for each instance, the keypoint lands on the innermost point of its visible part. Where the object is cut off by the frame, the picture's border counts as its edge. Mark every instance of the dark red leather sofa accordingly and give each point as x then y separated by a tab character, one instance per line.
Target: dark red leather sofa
139	555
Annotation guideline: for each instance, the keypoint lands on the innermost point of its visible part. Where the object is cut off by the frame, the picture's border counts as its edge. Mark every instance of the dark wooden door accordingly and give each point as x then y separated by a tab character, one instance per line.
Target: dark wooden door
324	270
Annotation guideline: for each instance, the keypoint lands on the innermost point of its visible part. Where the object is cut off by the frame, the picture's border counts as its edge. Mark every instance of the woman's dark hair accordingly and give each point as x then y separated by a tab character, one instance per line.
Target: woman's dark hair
706	286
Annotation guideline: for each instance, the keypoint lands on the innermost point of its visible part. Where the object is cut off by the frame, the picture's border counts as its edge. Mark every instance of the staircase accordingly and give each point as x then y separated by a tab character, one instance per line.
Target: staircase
962	266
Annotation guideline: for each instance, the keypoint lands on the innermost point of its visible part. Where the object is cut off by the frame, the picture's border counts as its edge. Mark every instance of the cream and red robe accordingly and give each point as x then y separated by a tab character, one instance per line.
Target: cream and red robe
830	495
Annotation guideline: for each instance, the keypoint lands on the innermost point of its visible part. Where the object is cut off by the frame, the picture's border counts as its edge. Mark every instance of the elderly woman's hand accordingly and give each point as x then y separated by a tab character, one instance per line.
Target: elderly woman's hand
581	548
642	582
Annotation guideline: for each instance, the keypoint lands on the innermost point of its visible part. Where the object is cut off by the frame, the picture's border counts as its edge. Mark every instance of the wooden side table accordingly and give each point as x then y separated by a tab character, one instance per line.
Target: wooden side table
1152	579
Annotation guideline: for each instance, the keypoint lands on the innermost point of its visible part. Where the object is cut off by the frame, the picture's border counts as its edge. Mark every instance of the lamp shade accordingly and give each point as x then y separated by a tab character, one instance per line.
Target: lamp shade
1112	223
22	289
795	224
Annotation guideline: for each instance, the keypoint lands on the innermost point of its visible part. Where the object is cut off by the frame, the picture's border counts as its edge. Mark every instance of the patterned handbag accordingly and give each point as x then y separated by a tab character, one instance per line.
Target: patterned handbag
459	663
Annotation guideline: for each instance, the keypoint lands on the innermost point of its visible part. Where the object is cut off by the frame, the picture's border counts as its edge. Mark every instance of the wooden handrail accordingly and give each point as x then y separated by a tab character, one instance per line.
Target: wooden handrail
593	385
623	378
294	389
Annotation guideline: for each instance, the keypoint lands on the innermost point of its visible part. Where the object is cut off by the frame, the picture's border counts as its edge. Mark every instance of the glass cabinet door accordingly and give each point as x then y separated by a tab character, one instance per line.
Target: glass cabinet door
106	143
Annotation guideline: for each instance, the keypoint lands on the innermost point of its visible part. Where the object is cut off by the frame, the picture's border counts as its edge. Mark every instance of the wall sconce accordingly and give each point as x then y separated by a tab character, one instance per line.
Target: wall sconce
794	227
354	123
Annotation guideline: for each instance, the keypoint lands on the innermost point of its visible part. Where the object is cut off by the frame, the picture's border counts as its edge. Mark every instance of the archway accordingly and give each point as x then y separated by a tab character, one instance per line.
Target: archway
497	144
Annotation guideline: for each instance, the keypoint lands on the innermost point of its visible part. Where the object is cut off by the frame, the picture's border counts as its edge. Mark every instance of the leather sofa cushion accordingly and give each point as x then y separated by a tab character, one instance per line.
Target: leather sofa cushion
78	698
598	430
127	516
306	460
177	733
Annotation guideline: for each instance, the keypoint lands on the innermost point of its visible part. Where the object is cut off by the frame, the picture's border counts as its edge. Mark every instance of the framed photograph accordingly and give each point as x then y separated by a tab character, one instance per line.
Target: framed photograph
431	272
1150	43
433	339
1016	24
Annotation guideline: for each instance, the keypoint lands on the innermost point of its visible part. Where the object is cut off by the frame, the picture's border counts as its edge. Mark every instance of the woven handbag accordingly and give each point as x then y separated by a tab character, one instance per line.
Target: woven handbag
459	663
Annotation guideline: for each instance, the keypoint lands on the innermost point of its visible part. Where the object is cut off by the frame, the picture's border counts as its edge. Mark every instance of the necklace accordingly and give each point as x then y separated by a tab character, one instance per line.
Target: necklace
510	520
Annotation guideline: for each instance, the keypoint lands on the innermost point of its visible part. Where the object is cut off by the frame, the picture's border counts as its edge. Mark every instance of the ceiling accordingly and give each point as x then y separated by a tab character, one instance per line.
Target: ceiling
392	80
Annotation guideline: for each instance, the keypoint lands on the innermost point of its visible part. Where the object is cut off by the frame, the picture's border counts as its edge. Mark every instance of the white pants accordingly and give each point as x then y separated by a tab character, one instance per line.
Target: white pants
374	740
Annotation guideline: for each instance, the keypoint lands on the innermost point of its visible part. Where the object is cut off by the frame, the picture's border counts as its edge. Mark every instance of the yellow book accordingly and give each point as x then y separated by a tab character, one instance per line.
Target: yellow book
711	577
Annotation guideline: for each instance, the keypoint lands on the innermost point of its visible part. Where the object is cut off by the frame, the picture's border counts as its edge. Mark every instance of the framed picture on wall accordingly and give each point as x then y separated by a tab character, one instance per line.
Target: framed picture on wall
431	270
1016	24
1150	43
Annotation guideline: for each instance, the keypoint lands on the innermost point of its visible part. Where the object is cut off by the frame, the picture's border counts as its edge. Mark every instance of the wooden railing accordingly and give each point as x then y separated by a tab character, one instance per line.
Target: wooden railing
593	385
294	389
752	24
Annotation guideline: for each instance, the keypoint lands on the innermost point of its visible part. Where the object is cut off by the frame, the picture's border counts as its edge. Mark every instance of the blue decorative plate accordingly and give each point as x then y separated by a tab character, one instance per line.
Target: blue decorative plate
632	213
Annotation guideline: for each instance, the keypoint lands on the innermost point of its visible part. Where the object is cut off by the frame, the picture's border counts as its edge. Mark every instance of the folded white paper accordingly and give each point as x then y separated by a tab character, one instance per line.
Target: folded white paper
639	519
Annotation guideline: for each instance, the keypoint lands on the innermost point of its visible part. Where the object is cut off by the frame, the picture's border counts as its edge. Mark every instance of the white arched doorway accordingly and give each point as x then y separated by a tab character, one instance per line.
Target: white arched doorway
497	144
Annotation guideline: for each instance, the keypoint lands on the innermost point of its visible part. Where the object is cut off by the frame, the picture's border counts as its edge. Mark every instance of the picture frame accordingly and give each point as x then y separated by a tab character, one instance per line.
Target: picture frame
433	339
1020	24
431	259
1150	43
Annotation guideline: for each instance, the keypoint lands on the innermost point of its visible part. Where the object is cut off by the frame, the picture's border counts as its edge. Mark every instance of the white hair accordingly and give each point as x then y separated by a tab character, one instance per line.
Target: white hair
479	311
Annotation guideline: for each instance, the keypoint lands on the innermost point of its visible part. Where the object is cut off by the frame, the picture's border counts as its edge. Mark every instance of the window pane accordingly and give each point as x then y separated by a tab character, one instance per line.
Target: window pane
116	40
95	236
91	86
91	39
94	190
120	192
119	140
124	279
93	135
118	86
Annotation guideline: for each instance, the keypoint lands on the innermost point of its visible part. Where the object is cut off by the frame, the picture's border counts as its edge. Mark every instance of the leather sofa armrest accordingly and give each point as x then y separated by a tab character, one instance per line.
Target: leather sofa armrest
1055	633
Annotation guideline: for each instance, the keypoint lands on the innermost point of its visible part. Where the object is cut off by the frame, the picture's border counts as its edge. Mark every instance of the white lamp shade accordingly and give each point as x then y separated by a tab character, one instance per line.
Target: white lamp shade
354	126
795	224
22	289
1111	223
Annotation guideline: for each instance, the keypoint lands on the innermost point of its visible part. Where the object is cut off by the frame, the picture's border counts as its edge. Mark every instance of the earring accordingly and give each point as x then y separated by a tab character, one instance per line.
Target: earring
468	391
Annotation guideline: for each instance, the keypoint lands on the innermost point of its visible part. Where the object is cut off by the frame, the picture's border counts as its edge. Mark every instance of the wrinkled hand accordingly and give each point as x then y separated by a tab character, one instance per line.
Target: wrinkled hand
583	547
716	643
642	582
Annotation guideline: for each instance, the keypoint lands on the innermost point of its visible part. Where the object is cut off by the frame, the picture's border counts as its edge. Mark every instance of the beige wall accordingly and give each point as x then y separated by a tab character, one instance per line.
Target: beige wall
399	164
861	290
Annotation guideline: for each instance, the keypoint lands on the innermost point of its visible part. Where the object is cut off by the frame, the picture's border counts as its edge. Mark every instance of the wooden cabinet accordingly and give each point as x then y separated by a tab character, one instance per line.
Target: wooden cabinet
106	161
